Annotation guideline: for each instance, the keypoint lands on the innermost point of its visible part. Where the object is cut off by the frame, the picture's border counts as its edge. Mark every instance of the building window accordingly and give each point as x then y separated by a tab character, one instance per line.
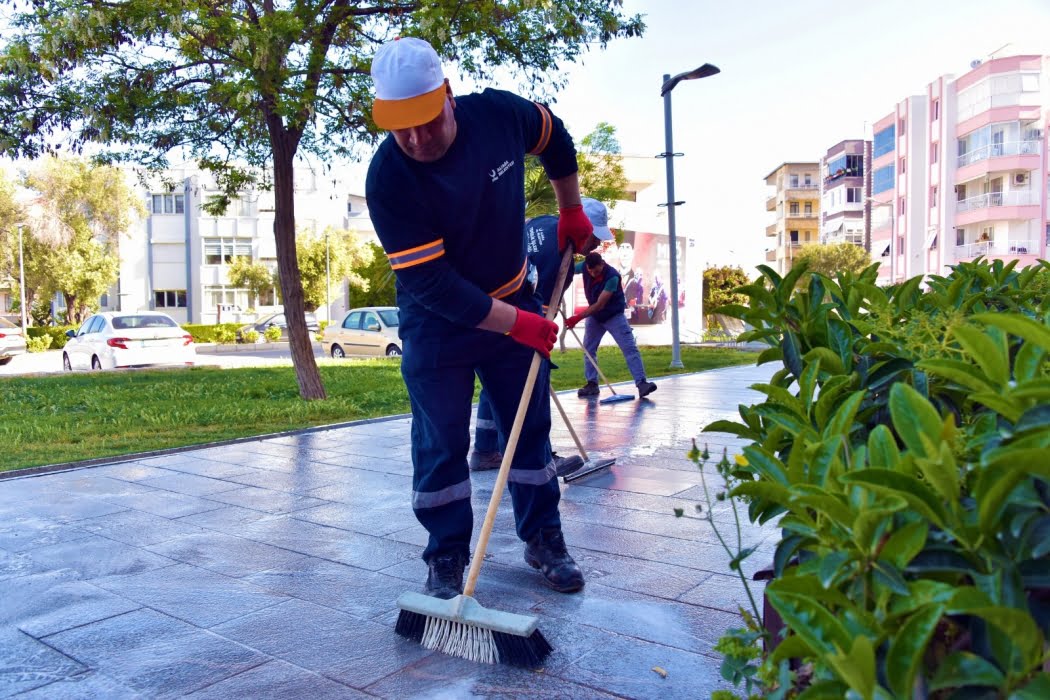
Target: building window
167	204
960	236
809	208
793	209
933	196
883	142
882	179
844	166
935	110
794	180
169	299
935	152
853	195
222	251
903	168
794	237
809	179
226	297
900	127
901	206
900	245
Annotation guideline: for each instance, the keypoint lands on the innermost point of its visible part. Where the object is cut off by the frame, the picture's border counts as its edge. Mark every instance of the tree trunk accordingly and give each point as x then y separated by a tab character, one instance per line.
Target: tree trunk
299	340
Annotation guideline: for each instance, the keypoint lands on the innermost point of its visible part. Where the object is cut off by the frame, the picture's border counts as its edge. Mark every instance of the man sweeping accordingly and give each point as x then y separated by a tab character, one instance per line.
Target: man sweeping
446	194
605	313
541	243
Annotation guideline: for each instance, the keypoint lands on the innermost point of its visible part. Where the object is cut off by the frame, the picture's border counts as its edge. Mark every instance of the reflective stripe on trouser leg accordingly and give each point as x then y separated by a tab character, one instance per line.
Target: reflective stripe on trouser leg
533	483
593	331
486	435
623	334
441	399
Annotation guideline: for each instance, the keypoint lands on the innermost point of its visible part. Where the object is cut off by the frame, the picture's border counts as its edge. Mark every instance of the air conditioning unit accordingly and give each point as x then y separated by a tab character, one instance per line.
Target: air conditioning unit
1020	178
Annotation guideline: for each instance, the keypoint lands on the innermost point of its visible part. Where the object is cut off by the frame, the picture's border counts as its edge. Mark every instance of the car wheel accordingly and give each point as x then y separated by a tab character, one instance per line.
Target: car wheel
67	366
393	351
96	364
337	351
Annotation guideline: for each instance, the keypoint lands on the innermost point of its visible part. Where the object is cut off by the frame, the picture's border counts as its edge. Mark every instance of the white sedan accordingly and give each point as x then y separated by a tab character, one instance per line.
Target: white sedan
113	340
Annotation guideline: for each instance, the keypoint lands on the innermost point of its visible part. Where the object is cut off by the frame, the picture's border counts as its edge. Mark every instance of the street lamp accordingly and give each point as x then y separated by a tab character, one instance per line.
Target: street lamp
669	84
22	281
327	280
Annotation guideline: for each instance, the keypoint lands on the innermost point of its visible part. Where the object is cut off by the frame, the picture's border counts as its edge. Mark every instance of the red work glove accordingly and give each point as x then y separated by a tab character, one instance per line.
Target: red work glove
573	225
571	321
534	331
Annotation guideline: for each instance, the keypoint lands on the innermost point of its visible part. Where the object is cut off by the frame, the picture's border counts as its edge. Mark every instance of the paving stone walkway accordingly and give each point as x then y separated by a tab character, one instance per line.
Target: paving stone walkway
270	569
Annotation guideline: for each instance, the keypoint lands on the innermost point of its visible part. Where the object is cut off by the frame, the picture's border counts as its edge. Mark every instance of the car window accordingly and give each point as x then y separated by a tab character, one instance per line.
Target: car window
390	317
352	321
4	323
142	321
93	325
371	322
278	320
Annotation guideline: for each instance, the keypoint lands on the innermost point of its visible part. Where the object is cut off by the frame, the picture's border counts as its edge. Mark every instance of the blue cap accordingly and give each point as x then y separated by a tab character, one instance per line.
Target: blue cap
599	217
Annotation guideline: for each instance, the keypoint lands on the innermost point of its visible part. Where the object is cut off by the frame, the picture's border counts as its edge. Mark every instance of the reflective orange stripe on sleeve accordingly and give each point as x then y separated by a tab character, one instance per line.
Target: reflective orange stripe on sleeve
510	287
417	255
545	130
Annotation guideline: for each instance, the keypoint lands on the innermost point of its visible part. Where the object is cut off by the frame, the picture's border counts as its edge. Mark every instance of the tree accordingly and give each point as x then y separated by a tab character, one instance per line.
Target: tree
10	216
345	253
243	86
256	277
832	258
719	283
379	288
74	224
600	170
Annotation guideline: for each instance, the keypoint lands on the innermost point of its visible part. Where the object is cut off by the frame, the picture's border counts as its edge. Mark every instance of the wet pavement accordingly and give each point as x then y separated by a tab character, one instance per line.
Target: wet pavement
270	568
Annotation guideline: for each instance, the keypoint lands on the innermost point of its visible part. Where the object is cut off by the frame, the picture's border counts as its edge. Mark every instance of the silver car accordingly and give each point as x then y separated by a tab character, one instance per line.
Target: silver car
12	342
370	330
114	340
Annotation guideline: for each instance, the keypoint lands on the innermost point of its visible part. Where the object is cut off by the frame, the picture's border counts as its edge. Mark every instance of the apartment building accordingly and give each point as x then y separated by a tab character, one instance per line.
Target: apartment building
796	207
960	171
845	188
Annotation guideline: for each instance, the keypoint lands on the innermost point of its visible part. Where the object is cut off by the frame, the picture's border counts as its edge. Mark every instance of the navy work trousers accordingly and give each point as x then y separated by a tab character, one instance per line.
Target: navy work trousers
441	400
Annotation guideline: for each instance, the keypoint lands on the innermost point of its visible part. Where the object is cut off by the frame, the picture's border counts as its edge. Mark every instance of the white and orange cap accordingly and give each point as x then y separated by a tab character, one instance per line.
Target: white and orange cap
410	85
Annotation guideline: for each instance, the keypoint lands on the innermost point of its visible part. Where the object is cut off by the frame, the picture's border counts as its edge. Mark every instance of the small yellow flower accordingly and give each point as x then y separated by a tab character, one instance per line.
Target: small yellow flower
741	460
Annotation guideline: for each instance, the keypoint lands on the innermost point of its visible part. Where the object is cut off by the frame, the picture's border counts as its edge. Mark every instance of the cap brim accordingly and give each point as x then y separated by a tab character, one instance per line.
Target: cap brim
603	233
405	114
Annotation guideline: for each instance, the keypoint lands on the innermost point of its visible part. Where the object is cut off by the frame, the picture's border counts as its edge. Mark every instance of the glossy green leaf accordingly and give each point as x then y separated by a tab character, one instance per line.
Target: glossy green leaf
1035	418
857	667
988	352
818	627
942	473
1030	362
1020	326
840	339
829	361
727	426
827	506
915	420
824	690
770	355
908	646
870	524
1038	688
915	492
841	422
1017	626
765	491
1001	476
808	585
1007	405
765	464
828	399
831	566
904	544
792	353
963	669
962	373
785	552
882	449
792	647
888	576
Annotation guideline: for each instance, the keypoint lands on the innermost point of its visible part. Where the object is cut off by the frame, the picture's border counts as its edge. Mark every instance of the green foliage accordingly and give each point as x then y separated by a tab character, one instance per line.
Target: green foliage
39	343
378	289
342	251
56	335
832	258
720	285
910	477
251	336
600	169
256	277
212	333
272	334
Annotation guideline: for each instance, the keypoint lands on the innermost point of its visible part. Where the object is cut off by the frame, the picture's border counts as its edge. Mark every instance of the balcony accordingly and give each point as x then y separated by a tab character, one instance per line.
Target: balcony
1016	198
996	150
771	203
810	216
997	248
771	230
807	186
771	256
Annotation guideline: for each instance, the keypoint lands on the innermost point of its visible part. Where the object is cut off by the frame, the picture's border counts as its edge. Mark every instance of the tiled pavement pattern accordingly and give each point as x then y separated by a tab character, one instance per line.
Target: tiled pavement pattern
270	569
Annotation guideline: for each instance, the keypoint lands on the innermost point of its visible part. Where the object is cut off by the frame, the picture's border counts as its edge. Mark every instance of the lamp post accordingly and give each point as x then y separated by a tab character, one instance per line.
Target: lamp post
22	280
327	280
665	91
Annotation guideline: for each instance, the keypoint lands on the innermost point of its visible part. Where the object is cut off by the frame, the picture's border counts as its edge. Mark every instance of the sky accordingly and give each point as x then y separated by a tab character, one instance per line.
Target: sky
798	76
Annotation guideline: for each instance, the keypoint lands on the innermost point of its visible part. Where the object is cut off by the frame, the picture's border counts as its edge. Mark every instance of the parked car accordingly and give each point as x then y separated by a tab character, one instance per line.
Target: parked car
114	340
276	319
12	342
366	331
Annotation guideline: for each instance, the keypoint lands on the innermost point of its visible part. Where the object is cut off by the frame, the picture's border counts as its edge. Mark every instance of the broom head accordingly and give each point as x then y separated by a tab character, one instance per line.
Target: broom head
463	627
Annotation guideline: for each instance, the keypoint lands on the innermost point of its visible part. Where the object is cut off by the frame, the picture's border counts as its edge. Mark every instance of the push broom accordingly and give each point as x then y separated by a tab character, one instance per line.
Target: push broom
608	399
589	466
462	626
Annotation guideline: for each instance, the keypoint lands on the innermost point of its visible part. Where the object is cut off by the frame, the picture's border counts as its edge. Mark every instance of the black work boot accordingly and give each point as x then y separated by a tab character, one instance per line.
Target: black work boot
484	461
589	389
567	465
546	552
645	388
445	578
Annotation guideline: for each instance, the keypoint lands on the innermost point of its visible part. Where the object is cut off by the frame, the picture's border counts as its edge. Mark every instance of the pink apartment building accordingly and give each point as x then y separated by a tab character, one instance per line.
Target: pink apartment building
961	171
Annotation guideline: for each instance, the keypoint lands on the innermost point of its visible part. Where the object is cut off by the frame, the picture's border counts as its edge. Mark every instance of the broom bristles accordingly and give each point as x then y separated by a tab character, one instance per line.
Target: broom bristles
472	641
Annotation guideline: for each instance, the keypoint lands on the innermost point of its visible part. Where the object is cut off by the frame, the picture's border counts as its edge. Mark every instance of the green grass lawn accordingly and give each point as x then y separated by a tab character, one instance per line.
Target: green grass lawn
72	417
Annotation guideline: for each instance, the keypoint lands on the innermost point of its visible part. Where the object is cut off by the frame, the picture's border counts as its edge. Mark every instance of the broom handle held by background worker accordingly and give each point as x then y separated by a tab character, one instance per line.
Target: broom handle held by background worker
589	356
515	433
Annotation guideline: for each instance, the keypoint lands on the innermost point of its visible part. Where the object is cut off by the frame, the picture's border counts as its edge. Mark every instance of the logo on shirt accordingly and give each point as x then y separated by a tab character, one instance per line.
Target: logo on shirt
497	173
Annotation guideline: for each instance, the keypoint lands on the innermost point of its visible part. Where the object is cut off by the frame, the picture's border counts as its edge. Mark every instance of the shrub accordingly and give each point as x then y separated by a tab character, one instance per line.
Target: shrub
903	447
213	333
272	334
38	344
56	334
251	336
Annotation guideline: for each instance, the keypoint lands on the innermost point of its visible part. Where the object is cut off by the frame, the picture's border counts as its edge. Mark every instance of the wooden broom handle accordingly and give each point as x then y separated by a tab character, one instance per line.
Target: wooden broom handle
515	433
575	438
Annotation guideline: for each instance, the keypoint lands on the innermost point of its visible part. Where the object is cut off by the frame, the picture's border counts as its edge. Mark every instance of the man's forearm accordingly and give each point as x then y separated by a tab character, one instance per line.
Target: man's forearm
567	191
500	318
